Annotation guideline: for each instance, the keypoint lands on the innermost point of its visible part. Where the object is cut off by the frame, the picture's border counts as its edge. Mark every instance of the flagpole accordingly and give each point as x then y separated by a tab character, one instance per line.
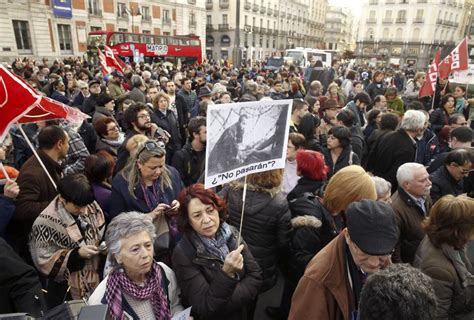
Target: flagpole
36	155
5	173
242	212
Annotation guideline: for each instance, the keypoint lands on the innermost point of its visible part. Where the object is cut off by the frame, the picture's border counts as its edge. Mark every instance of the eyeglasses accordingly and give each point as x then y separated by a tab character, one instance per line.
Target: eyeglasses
462	124
144	116
114	128
152	146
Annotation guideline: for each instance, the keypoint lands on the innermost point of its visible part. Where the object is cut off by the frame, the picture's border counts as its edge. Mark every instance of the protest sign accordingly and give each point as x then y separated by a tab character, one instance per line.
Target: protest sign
245	138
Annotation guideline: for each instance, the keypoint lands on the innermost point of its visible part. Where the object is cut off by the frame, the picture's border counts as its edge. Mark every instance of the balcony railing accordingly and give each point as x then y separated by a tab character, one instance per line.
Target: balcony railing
263	30
223	26
255	29
247	5
224	4
209	27
95	13
389	1
192	23
418	20
255	7
192	1
387	21
208	5
263	10
371	21
146	18
276	13
401	20
282	14
373	2
269	11
167	21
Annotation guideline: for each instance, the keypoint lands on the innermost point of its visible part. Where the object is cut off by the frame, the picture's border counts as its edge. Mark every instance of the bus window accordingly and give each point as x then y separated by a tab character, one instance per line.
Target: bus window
159	40
194	42
134	38
183	42
172	41
95	40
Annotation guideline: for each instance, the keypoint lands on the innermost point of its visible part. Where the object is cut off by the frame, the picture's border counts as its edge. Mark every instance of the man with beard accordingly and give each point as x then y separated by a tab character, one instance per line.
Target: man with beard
116	89
412	204
190	160
137	119
329	110
36	189
188	95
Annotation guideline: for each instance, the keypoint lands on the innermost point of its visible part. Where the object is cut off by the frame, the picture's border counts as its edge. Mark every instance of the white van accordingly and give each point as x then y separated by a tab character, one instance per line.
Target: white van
302	57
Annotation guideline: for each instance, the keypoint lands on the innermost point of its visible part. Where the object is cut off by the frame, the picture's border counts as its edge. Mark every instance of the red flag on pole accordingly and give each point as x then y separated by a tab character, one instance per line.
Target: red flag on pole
19	103
103	63
429	86
457	60
113	61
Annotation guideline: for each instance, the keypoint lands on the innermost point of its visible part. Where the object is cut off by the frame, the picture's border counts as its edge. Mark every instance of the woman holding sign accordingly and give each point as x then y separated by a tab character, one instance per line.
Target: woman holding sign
218	277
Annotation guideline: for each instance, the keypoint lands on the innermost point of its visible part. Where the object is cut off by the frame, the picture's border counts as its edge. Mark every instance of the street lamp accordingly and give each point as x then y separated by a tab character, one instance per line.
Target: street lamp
131	12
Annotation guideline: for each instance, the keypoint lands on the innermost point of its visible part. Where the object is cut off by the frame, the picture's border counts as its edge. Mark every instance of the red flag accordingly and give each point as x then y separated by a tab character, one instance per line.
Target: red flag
457	60
103	63
429	86
20	103
16	98
113	61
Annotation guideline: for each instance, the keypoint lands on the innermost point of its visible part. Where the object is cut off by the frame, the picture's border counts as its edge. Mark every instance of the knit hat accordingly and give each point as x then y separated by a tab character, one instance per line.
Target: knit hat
372	227
103	99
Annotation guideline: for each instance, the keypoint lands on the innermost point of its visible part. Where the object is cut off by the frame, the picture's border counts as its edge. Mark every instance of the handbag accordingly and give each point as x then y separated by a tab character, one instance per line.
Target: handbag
162	243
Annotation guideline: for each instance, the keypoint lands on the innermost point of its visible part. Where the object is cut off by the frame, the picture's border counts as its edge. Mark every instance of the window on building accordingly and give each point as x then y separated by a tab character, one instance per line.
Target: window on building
123	30
225	19
122	10
253	21
208	19
399	34
65	38
94	7
166	15
372	15
419	14
146	13
388	14
192	19
386	33
245	20
401	15
416	34
22	36
261	23
95	28
370	33
166	33
146	31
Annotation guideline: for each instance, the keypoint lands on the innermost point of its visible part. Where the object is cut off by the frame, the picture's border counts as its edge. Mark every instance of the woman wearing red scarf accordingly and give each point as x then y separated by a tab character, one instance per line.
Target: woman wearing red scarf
137	287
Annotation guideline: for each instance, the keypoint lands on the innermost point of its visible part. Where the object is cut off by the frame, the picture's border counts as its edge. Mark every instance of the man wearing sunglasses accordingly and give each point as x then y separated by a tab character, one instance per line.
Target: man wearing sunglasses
335	276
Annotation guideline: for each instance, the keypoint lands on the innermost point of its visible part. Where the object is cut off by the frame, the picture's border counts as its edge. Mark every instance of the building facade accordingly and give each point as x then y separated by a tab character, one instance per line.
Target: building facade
257	29
407	32
339	29
49	28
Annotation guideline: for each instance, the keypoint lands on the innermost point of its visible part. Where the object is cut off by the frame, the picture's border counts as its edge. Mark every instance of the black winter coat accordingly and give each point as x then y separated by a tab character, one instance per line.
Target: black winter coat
393	150
204	286
304	185
313	228
443	184
266	227
170	123
343	161
376	88
438	119
20	288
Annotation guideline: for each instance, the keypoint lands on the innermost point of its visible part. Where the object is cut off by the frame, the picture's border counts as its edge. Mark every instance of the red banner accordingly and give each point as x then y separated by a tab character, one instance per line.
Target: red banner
457	60
113	61
429	86
103	63
20	103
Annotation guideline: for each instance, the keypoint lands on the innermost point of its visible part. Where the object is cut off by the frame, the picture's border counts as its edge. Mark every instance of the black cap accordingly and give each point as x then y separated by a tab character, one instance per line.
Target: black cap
372	227
103	99
204	92
94	81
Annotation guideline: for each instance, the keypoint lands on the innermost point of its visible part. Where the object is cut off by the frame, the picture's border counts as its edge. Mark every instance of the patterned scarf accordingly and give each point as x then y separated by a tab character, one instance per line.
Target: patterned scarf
218	246
118	283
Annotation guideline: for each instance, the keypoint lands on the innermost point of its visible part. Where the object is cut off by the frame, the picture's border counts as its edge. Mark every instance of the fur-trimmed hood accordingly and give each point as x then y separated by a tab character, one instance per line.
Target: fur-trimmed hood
306	221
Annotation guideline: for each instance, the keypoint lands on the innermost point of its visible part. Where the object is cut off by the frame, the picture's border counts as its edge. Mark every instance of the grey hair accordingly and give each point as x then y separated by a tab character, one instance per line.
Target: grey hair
406	172
131	173
413	120
146	74
137	81
382	186
123	226
398	292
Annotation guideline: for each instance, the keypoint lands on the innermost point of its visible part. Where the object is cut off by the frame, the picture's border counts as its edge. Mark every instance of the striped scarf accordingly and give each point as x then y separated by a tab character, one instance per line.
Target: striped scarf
118	283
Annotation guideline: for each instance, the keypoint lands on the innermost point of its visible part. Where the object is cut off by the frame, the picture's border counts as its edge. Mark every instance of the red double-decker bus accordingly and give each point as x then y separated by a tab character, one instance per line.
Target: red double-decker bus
147	47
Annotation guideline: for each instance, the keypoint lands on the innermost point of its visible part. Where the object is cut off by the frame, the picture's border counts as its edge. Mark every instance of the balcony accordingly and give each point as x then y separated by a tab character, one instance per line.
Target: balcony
276	13
263	10
282	14
269	11
247	5
223	26
373	2
300	18
209	27
439	21
401	20
166	21
263	30
146	18
255	29
418	20
389	1
192	23
223	4
387	21
371	21
275	32
209	4
191	1
255	7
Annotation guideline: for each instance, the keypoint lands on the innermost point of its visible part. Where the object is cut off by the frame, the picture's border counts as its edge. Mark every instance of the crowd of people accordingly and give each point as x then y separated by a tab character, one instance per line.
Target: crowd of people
371	218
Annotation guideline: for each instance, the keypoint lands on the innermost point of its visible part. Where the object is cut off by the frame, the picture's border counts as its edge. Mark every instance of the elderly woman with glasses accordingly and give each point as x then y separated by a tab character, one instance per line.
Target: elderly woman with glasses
218	276
150	186
137	287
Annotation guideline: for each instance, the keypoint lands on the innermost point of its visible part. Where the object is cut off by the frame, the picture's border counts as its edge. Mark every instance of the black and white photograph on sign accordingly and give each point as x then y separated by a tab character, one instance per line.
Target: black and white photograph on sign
245	138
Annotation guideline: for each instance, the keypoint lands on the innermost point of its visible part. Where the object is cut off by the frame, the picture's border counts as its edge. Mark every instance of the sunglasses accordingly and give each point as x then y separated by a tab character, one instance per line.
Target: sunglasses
152	146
